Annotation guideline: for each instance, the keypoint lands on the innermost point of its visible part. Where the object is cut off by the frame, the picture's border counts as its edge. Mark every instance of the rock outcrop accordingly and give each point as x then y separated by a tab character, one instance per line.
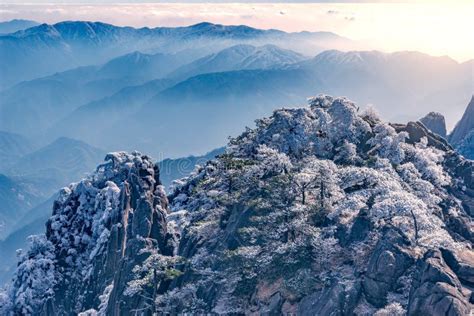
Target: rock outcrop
317	211
436	123
436	289
464	126
462	137
100	229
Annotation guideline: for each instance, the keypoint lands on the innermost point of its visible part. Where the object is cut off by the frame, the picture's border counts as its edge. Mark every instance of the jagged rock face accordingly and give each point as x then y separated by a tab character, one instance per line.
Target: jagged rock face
435	122
318	211
464	126
100	227
436	288
466	146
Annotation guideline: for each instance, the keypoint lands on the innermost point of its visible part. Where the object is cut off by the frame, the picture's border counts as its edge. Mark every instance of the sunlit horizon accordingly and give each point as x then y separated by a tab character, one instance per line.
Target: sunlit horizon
438	29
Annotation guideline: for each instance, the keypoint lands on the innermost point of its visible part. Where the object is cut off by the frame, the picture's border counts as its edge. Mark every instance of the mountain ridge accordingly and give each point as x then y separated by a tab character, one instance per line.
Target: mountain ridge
318	210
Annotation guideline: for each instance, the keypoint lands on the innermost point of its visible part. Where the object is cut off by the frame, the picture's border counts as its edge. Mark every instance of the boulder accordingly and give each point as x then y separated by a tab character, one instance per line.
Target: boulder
436	289
389	260
336	299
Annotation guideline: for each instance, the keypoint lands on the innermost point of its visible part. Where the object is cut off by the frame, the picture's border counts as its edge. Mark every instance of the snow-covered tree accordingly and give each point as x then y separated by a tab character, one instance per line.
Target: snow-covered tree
148	277
35	276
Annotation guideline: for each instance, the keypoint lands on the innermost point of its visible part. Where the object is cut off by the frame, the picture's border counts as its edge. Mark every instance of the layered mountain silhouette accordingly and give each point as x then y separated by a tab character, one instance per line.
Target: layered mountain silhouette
17	197
34	106
236	97
239	57
12	147
45	49
58	163
32	222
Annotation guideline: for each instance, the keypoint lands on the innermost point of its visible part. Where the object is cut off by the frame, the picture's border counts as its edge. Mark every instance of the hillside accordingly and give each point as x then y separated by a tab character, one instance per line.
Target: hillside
17	197
57	163
239	57
12	147
16	25
319	210
32	107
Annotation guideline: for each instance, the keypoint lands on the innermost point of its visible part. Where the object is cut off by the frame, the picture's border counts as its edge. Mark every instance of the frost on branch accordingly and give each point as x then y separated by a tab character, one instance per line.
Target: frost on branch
35	276
319	210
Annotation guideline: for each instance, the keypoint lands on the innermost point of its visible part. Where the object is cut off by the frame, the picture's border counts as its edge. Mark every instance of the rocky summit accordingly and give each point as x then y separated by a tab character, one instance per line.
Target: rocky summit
436	123
319	210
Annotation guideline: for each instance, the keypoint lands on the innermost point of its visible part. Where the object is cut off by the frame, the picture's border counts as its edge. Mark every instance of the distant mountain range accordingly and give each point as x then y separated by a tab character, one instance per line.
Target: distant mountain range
16	25
16	198
45	49
236	85
31	177
225	101
239	57
12	147
174	169
58	163
32	107
31	223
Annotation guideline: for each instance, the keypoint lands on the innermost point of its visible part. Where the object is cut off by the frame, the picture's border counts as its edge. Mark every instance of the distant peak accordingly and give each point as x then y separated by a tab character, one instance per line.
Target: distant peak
65	142
204	24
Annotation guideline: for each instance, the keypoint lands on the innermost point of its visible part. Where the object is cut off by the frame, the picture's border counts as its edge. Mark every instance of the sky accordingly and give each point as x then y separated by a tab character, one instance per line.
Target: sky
438	27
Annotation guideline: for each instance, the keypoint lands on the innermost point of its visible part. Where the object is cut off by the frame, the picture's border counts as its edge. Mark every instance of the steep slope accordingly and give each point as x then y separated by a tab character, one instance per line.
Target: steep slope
462	136
239	57
465	125
16	25
31	223
58	163
104	113
466	146
128	189
33	106
16	198
12	147
435	122
317	211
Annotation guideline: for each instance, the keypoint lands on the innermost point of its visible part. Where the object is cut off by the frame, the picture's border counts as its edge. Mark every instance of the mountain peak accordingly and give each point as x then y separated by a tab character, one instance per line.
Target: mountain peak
435	122
334	190
465	125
